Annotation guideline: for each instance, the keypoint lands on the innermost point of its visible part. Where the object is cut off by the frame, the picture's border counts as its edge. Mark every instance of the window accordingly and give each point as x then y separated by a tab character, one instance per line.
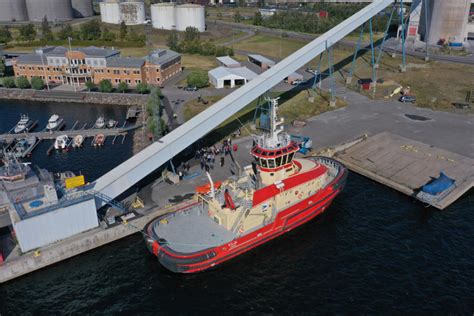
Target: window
264	163
283	159
116	72
138	81
290	157
278	161
271	163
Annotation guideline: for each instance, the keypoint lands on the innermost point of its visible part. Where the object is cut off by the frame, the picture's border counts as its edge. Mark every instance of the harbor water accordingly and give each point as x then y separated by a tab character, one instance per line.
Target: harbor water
373	251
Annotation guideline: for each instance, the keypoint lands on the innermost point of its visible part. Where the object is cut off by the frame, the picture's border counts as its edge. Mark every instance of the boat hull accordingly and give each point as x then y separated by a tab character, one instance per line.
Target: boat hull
285	221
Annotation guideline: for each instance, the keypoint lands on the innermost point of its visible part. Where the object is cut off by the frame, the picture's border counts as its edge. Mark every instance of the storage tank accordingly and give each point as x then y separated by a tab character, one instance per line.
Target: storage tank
82	8
447	20
110	11
163	16
133	12
190	15
54	10
13	10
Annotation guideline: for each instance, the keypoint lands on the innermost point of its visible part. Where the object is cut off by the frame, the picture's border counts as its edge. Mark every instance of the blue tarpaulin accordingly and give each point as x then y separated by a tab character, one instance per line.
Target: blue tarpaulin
436	186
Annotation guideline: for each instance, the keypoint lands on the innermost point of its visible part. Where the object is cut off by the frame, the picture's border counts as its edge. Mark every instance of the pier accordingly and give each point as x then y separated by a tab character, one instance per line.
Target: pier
406	165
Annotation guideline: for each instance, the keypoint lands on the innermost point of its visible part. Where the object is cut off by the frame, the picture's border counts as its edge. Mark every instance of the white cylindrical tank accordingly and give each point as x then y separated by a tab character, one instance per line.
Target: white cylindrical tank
447	20
13	10
133	12
163	16
82	8
54	10
190	15
110	12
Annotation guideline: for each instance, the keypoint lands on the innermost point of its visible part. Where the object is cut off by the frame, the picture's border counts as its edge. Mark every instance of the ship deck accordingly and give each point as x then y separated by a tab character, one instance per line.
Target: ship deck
191	230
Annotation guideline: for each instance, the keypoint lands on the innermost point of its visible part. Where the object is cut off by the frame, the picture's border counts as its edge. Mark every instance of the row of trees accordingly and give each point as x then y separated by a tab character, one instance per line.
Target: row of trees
22	82
154	108
89	31
106	86
191	43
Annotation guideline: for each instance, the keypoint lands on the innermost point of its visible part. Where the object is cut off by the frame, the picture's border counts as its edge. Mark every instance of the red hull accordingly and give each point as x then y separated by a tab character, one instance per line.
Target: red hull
285	221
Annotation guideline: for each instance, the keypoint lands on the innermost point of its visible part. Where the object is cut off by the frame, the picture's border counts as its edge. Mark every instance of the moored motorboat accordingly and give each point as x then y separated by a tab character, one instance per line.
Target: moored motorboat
111	123
274	195
61	142
24	147
23	124
99	140
100	122
78	141
54	122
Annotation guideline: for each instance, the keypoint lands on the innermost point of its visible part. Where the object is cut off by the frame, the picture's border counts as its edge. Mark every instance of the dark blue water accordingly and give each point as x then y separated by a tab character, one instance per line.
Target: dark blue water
374	251
90	161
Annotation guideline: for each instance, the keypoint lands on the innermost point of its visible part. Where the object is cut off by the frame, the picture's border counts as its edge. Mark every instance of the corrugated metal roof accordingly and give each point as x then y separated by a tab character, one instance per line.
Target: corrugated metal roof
262	59
91	51
161	56
227	61
125	62
221	72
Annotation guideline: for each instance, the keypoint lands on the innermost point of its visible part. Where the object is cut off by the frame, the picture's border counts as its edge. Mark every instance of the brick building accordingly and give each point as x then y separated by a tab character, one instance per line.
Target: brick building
59	65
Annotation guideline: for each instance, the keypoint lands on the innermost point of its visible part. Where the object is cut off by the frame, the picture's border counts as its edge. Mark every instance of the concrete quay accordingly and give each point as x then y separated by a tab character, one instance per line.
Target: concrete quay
73	246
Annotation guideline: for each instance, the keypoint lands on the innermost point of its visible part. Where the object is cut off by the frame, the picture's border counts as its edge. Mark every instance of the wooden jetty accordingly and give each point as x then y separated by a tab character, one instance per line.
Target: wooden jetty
71	133
406	165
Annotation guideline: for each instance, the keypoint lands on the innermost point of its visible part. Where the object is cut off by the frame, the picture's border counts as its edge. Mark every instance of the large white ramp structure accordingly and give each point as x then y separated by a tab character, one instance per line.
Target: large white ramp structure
124	176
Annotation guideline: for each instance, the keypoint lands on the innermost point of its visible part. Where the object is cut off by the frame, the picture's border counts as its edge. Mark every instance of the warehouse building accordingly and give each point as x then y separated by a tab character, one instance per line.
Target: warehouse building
223	77
228	62
261	61
59	65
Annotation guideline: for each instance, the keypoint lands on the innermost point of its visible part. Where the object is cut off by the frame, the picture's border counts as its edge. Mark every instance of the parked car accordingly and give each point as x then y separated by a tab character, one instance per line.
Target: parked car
297	82
407	99
190	88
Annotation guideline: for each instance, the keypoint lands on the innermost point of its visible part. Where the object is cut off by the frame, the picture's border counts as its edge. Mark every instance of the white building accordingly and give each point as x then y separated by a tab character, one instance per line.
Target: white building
221	77
228	62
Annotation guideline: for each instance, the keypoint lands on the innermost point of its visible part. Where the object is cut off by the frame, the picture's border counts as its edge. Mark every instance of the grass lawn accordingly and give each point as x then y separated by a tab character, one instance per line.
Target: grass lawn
270	46
198	62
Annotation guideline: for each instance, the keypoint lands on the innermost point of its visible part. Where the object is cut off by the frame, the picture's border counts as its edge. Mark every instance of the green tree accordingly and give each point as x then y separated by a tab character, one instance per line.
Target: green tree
237	17
90	85
27	32
3	68
122	87
257	19
199	79
9	82
142	88
37	83
46	33
107	35
65	32
91	31
105	86
191	34
22	82
5	35
172	41
123	30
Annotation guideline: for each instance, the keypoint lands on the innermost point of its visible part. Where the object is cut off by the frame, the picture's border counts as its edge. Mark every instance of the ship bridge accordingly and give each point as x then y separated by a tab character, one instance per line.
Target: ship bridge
127	174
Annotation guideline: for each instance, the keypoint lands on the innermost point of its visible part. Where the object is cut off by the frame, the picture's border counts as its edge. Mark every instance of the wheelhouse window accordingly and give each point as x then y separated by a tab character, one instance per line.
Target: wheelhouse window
278	161
271	163
263	163
290	157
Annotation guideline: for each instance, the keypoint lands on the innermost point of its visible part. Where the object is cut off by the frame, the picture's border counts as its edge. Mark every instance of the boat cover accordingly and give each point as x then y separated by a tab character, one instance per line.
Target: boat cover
438	185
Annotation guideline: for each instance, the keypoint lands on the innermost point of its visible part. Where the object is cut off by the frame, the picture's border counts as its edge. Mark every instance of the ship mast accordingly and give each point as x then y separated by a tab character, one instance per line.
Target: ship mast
275	124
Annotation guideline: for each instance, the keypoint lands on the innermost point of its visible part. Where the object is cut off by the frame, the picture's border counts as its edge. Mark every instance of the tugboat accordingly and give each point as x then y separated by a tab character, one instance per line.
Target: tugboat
54	122
23	124
61	142
100	122
274	195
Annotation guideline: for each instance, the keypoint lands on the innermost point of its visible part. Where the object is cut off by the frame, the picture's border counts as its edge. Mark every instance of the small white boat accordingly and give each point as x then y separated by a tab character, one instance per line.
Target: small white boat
111	123
24	147
54	122
100	123
99	140
78	141
23	124
61	142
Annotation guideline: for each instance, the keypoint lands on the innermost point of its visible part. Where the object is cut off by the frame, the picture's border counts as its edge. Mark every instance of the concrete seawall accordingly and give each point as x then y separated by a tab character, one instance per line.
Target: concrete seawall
78	244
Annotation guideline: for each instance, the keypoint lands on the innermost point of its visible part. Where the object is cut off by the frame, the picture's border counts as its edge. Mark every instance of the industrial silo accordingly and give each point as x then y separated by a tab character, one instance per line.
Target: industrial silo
82	8
190	15
13	10
133	12
110	11
54	10
447	21
163	16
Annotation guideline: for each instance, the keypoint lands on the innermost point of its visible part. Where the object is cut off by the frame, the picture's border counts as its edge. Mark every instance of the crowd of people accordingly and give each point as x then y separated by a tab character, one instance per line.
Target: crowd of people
207	156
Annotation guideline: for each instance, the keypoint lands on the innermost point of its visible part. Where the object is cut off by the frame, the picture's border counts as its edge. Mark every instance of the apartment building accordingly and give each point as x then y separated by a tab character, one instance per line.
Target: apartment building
60	65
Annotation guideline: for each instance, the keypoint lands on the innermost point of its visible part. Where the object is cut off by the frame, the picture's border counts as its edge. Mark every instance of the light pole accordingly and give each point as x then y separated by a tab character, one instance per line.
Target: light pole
70	64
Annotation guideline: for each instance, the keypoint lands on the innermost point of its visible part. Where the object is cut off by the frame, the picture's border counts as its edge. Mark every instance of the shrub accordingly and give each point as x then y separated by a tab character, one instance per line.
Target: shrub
105	86
37	83
122	87
22	82
9	83
90	85
199	79
143	88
